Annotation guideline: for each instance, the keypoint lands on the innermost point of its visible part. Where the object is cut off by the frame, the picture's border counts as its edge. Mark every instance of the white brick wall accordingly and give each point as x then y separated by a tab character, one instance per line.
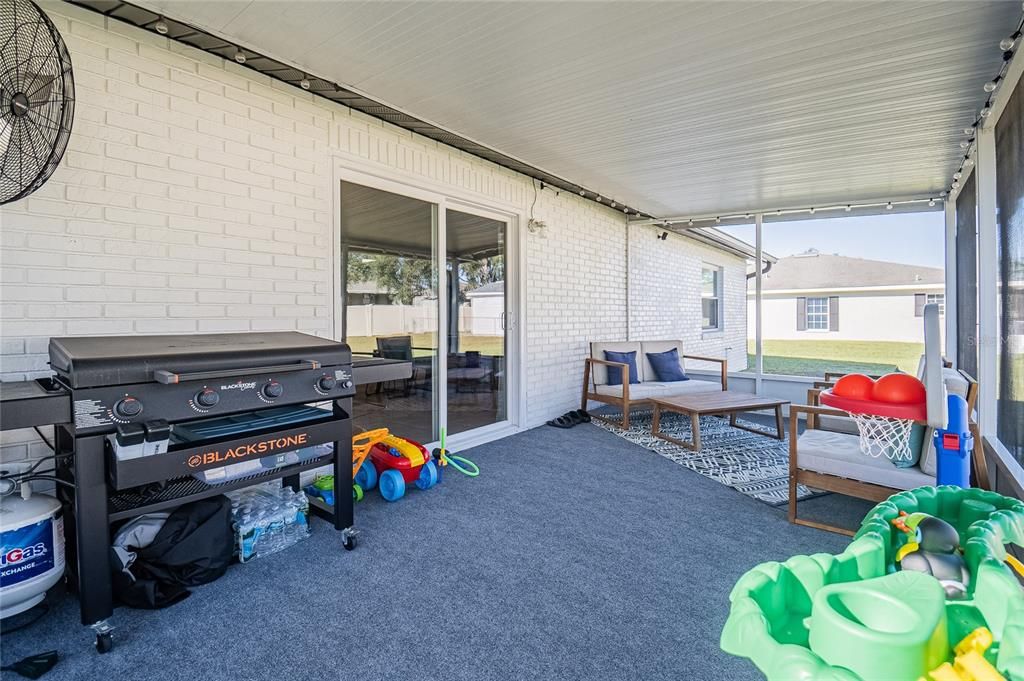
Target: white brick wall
664	296
196	196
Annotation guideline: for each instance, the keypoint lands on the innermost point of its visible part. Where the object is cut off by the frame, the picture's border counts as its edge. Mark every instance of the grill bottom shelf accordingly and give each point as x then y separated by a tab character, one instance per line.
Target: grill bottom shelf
137	501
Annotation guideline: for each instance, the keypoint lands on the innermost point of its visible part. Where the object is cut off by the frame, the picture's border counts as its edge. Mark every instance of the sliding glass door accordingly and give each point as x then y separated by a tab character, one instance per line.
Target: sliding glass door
433	326
477	316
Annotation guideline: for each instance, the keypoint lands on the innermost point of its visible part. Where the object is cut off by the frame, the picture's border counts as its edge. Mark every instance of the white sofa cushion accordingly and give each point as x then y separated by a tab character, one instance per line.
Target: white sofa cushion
644	391
839	454
655	347
599	372
838	424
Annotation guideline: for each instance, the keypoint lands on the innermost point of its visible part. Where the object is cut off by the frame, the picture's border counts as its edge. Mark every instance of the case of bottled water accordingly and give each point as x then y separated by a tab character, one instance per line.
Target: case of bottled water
268	518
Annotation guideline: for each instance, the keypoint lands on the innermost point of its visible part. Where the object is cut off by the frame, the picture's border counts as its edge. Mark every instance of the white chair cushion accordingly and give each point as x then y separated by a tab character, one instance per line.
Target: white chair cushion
655	347
644	391
839	454
600	371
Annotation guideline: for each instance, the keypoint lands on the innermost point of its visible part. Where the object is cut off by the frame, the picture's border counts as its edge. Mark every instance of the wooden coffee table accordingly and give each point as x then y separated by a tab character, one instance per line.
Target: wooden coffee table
724	402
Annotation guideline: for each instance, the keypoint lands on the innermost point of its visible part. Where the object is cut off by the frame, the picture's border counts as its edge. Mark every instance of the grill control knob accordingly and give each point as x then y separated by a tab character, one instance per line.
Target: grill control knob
346	384
273	390
128	408
207	398
326	383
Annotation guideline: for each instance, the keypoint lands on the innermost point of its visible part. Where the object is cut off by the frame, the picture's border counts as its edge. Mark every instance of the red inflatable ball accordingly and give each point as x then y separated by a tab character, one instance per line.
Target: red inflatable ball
899	389
854	386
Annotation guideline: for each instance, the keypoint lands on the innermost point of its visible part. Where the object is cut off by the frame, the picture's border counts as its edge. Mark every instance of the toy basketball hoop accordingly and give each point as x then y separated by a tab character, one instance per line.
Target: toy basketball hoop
884	427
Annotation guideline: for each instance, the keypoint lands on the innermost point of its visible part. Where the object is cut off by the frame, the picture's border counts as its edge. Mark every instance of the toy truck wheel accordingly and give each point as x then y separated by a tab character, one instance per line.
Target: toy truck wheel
366	476
357	493
428	476
392	485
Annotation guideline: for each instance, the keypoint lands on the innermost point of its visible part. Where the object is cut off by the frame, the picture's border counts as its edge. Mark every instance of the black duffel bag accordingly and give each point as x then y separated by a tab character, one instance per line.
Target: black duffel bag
194	546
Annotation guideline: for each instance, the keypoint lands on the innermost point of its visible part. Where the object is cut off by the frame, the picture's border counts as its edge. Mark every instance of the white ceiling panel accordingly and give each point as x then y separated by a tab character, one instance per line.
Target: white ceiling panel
676	108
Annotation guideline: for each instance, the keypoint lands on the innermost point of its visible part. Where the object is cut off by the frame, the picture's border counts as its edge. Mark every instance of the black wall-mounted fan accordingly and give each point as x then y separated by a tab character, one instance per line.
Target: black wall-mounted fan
37	98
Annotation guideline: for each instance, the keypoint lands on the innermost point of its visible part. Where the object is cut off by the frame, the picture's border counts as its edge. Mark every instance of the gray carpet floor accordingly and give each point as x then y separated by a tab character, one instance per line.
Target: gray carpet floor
575	555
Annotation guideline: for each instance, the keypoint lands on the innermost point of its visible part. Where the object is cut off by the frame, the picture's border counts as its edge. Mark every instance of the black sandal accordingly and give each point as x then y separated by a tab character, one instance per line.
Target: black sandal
562	422
582	415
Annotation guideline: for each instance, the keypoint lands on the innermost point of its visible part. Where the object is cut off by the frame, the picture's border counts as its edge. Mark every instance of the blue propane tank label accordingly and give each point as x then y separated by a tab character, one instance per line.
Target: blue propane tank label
29	551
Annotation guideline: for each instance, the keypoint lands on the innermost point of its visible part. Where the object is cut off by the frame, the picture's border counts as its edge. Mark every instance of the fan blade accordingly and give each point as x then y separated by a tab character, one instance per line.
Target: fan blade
39	89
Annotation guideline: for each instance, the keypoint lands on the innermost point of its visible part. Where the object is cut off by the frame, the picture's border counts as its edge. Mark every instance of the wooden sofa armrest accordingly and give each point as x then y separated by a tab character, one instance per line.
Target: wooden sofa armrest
721	361
588	375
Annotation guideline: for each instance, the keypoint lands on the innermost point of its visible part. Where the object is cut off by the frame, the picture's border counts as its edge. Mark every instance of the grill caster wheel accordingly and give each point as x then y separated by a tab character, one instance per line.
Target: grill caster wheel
348	539
104	642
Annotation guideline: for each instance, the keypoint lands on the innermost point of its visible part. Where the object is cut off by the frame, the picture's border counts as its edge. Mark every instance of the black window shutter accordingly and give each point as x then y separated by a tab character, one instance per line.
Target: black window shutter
833	313
919	301
801	314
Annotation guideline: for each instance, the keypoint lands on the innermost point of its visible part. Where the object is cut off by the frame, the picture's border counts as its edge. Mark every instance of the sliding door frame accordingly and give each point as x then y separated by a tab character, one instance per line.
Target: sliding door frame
445	197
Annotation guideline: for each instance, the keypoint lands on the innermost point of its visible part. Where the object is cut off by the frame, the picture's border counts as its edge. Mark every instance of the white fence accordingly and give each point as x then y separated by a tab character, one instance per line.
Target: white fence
392	320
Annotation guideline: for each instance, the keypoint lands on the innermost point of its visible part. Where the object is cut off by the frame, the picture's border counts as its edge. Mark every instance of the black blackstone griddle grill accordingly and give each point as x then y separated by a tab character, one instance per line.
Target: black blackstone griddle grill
122	382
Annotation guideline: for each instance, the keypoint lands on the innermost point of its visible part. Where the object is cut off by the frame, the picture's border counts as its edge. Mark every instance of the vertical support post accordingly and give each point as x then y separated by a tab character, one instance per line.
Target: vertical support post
988	324
92	531
758	345
440	363
344	505
951	330
343	291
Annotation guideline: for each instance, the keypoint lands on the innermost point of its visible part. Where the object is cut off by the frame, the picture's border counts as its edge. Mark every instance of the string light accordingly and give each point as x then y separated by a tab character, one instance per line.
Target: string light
690	223
240	56
304	83
848	208
888	206
931	202
991	85
812	210
957	175
161	26
614	204
718	220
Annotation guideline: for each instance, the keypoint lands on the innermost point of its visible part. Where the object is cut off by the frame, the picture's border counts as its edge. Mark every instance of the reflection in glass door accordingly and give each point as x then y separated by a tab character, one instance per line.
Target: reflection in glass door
389	280
476	320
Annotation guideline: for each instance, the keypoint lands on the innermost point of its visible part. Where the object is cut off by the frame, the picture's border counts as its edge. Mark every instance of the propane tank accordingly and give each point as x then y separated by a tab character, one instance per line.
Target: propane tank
31	549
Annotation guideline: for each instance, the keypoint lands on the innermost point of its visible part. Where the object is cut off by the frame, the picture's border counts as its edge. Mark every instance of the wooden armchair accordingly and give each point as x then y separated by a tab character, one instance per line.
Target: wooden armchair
834	463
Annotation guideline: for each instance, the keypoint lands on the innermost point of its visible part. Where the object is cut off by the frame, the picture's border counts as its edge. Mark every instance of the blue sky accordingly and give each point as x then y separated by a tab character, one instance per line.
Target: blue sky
910	238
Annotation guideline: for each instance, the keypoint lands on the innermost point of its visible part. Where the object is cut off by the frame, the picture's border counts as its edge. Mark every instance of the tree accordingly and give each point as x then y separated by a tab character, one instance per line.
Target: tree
403	277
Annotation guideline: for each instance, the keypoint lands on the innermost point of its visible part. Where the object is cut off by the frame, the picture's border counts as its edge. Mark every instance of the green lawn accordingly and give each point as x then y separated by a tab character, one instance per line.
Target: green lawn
814	357
485	345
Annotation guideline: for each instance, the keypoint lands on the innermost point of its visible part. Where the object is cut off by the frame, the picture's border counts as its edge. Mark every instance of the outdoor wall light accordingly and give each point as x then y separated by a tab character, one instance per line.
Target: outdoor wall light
240	56
161	26
304	83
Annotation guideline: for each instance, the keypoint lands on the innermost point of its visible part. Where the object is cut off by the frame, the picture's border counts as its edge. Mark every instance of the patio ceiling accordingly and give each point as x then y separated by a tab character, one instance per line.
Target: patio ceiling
676	108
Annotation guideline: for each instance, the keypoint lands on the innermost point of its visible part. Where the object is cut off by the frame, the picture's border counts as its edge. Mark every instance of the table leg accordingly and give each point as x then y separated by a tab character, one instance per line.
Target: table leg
656	421
778	422
656	430
695	427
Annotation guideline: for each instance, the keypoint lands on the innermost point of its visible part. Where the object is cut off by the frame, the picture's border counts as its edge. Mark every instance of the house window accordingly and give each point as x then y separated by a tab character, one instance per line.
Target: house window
922	299
711	297
817	314
820	313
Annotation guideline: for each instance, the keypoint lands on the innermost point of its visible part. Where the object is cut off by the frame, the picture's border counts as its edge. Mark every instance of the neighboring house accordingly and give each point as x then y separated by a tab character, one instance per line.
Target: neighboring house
487	309
817	296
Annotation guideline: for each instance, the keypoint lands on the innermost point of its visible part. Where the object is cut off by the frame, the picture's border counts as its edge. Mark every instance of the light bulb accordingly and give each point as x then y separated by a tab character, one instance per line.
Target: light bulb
718	221
965	144
599	198
778	212
1006	44
582	193
614	204
986	112
968	131
968	162
957	175
161	27
956	185
812	211
931	202
240	57
304	83
888	206
690	223
942	193
848	209
990	86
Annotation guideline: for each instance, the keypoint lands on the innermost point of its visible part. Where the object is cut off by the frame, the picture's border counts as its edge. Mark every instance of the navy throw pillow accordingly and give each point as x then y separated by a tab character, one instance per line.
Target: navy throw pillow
615	373
666	366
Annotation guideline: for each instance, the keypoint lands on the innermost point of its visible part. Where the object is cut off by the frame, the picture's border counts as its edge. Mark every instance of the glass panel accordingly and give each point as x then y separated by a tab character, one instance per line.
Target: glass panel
476	321
875	267
391	304
709	308
967	278
1010	216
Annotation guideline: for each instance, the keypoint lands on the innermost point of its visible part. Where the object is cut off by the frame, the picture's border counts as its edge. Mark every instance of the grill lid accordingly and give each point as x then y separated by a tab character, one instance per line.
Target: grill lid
93	361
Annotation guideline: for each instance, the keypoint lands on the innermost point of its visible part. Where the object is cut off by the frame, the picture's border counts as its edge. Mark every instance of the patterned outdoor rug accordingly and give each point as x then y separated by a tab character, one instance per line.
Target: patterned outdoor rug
749	463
